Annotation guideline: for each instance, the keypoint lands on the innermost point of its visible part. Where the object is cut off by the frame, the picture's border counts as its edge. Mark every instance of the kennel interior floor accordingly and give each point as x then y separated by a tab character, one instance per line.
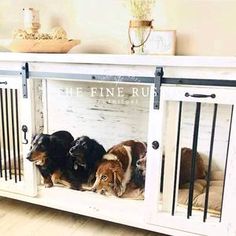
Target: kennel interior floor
20	218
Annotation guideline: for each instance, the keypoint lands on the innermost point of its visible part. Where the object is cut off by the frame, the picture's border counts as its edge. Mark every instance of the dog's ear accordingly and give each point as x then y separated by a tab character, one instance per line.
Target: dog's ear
117	179
97	151
117	176
36	136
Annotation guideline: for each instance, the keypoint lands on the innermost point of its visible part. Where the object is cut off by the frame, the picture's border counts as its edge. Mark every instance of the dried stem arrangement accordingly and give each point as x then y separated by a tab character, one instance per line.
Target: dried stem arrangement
140	9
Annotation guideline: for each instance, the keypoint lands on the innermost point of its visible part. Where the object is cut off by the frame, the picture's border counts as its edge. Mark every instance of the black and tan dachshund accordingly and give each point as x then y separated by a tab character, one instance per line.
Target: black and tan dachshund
86	154
50	155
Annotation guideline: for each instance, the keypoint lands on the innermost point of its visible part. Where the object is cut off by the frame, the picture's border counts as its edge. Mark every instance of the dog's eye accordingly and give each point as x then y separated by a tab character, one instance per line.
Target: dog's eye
104	178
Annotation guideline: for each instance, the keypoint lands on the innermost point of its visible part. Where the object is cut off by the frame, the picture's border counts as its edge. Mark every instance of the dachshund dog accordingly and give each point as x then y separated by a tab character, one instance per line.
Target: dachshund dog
185	169
114	172
139	173
86	154
185	166
50	155
138	152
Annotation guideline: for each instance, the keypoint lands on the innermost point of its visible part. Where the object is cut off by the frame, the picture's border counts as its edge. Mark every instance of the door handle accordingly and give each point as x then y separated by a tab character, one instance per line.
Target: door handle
25	130
200	95
3	82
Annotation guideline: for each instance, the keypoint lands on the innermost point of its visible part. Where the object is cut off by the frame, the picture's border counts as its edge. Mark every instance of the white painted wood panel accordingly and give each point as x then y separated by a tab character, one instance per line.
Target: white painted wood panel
127	212
25	116
229	205
11	66
90	69
109	59
89	109
170	133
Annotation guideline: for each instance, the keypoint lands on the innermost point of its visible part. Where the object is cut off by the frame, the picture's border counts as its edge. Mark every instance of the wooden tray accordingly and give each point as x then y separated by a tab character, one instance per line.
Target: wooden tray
42	45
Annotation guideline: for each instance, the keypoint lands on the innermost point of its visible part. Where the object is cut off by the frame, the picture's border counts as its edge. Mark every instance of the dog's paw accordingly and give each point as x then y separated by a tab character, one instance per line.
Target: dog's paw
48	182
119	191
76	186
48	185
88	187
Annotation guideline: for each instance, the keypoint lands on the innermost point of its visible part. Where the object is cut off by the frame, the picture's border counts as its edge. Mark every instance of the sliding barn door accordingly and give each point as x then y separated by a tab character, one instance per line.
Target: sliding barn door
17	174
191	121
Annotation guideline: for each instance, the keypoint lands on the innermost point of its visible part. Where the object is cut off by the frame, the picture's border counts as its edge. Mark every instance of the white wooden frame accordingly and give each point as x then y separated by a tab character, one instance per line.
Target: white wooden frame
126	211
27	186
163	217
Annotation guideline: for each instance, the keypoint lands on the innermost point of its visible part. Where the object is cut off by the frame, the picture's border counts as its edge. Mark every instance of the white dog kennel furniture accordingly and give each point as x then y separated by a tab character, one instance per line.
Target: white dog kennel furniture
36	90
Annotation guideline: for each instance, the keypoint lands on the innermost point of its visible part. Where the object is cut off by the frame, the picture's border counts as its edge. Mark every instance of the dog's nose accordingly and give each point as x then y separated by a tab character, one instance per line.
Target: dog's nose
28	157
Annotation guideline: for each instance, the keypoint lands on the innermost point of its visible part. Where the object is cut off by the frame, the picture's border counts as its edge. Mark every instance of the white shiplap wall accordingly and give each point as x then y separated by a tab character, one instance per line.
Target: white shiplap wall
99	117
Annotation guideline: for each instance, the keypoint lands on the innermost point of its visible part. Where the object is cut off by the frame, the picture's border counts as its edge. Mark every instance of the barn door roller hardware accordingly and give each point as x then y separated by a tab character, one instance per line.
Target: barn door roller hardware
25	76
157	83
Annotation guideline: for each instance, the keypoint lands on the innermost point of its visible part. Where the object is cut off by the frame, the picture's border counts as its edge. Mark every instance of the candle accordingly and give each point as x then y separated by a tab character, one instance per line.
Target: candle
31	19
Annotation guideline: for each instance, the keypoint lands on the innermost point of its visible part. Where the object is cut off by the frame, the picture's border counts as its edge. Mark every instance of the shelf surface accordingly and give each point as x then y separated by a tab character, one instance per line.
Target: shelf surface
112	59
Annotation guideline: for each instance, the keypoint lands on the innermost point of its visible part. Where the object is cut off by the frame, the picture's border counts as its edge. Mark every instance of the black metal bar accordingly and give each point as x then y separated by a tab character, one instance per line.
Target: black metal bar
92	77
201	82
8	133
165	80
157	82
194	155
139	79
25	77
177	157
17	135
3	135
77	76
0	141
0	158
9	72
226	161
210	162
13	134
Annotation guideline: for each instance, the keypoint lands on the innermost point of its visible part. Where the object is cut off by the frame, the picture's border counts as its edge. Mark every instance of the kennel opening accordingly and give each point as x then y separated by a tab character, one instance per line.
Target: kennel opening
109	115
